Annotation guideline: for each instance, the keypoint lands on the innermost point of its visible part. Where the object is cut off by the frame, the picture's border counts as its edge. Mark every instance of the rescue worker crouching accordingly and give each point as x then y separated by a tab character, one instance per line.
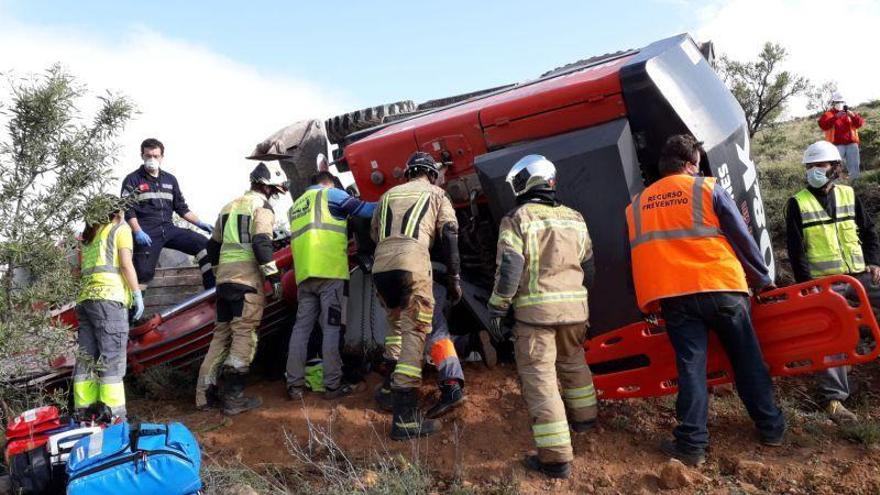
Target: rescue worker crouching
828	232
406	223
693	260
544	251
240	251
319	243
108	286
157	197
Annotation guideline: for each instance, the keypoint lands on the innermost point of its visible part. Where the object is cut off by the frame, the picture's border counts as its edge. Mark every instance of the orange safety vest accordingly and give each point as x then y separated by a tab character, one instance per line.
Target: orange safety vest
676	242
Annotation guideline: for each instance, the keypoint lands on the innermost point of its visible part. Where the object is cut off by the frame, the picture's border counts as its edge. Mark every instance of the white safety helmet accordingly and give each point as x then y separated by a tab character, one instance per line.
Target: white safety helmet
837	98
270	174
820	152
531	172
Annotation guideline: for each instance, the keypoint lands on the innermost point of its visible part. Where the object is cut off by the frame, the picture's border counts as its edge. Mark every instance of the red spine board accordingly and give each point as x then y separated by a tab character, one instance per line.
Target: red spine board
802	328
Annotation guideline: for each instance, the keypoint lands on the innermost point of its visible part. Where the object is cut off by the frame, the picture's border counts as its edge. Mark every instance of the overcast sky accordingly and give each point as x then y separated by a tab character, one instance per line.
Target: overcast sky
211	79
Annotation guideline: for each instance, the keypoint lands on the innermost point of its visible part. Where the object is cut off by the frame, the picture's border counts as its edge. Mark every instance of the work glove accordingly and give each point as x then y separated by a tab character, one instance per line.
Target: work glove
207	227
138	303
453	285
496	324
142	238
277	288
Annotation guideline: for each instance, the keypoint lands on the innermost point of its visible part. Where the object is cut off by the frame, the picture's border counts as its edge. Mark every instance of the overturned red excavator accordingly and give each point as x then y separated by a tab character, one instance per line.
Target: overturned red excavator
602	122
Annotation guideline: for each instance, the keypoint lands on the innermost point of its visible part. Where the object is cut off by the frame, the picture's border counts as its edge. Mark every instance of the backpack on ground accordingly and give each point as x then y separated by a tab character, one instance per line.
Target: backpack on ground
27	455
144	459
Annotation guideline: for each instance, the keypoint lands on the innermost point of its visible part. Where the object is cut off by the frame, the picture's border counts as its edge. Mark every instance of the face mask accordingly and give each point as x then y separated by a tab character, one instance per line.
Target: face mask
838	106
816	177
152	165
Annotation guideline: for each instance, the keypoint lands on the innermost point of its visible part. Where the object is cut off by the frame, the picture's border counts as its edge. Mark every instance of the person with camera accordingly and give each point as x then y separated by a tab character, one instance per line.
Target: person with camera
841	129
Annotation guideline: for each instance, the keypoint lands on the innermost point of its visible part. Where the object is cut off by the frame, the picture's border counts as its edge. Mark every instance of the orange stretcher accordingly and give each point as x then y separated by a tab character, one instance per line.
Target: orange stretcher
802	328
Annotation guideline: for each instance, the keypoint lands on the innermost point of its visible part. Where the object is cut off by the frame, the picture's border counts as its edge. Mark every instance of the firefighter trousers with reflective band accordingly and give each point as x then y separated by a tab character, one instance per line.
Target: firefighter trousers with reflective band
319	300
439	347
101	359
547	356
235	337
409	303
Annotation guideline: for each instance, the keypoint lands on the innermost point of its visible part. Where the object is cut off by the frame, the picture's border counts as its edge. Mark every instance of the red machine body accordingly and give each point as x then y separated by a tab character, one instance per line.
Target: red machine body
459	134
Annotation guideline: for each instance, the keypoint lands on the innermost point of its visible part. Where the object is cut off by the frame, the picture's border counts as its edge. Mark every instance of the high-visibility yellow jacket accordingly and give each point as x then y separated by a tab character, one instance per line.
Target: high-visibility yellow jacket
832	244
101	277
318	240
237	225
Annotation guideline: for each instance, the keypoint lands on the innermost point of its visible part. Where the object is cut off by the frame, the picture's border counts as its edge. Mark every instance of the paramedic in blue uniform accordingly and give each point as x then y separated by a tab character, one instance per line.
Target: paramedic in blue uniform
158	198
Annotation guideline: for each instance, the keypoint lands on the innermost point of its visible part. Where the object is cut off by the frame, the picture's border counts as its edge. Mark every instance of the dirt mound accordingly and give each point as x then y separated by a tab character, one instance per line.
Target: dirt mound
483	441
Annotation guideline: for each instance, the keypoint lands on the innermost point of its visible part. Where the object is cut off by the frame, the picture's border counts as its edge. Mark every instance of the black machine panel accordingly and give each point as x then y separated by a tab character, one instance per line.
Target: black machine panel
597	172
670	88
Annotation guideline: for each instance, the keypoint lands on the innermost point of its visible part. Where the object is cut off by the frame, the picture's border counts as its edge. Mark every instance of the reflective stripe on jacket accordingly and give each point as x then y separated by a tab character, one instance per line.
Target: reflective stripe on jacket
238	224
101	278
676	242
540	251
319	241
832	244
405	223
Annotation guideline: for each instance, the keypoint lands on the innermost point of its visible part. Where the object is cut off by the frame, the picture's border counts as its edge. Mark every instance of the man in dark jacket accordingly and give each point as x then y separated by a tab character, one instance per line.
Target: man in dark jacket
150	218
818	220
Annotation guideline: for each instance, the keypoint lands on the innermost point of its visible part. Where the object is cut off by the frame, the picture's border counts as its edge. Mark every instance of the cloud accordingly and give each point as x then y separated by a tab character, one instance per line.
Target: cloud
208	110
826	40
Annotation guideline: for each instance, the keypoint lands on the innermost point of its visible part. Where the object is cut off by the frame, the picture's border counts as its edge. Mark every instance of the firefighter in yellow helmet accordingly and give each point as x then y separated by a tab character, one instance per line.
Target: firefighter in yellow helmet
108	286
544	249
240	250
406	223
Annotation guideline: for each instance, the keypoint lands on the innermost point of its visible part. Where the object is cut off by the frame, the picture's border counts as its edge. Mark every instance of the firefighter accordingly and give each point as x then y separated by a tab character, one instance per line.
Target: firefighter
319	243
693	260
544	250
240	251
440	350
841	129
829	232
157	198
108	286
405	224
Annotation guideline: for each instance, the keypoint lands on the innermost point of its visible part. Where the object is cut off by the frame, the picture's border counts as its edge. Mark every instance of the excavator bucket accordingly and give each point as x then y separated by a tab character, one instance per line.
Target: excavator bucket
802	328
298	148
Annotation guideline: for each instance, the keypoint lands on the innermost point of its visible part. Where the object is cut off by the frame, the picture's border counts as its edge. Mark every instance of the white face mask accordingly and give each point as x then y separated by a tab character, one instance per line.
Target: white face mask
817	177
152	165
838	106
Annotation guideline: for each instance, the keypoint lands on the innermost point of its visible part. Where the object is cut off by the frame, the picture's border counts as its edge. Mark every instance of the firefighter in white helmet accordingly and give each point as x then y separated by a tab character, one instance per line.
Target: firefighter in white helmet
241	253
544	249
829	232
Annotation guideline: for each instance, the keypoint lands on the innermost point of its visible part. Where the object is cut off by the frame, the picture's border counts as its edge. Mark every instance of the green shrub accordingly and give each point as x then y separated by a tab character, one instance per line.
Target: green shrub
870	147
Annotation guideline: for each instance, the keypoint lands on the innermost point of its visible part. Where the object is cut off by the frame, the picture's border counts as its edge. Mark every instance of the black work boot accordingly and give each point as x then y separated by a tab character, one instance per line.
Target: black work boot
383	392
560	470
688	457
408	421
212	395
451	396
232	394
583	426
